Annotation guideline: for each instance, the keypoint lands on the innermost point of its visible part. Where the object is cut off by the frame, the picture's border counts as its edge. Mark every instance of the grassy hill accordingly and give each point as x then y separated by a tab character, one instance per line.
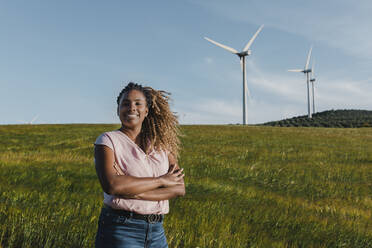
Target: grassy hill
247	186
330	118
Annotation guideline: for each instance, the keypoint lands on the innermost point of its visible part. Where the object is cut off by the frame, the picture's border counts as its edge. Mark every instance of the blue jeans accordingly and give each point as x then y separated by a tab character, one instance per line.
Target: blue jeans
120	231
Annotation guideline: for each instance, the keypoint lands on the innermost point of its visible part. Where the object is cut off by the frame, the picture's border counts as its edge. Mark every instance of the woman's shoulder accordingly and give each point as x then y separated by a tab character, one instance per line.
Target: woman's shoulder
107	138
106	134
110	133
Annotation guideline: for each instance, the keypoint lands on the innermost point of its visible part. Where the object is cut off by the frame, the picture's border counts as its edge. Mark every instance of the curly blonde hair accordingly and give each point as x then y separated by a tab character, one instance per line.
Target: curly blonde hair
160	129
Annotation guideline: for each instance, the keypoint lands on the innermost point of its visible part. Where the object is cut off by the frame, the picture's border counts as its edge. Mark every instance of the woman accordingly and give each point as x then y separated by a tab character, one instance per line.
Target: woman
137	168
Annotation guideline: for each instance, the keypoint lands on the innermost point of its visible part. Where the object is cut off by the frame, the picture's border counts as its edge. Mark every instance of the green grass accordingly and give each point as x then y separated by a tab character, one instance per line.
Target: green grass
246	187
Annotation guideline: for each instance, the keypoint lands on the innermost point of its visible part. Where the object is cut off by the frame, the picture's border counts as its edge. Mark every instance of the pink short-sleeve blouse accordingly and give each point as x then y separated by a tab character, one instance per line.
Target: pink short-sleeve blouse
133	161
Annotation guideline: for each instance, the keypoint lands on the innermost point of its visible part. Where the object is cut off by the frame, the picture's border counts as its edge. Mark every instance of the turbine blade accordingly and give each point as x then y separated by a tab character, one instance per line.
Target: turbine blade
252	39
221	45
34	119
308	58
312	69
296	70
248	91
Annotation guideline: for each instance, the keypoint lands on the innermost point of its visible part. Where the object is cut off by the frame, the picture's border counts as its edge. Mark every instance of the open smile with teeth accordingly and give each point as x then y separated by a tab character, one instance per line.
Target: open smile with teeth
132	116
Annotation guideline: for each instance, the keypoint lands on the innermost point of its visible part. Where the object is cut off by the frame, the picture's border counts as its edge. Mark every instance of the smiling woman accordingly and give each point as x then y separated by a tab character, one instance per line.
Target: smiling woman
138	171
132	108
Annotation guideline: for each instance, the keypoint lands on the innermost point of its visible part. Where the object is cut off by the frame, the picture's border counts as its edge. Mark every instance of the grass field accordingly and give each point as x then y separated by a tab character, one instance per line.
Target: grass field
246	187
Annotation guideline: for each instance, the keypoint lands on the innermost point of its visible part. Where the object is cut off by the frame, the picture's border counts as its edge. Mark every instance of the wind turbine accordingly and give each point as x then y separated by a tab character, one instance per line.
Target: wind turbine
34	119
306	70
312	80
30	122
246	52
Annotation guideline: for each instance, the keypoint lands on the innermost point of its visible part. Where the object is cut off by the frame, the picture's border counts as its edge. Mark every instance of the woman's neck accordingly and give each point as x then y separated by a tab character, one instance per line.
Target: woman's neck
133	134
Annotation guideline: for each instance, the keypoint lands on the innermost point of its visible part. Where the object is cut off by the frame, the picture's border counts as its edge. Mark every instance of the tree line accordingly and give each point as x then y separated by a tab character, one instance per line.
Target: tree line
331	118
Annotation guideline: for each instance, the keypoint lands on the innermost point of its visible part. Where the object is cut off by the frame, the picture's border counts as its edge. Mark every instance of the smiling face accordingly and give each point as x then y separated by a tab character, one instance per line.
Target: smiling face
132	109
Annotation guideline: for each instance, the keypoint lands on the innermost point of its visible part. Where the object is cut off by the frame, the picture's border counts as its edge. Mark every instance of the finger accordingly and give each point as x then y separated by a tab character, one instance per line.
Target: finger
177	172
172	167
180	174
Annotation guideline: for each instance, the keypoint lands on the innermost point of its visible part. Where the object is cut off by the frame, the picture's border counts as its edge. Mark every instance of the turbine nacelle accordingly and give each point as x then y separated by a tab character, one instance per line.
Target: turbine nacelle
244	53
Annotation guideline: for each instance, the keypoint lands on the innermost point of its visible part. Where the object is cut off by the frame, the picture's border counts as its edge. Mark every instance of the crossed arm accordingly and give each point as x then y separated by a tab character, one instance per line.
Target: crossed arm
165	187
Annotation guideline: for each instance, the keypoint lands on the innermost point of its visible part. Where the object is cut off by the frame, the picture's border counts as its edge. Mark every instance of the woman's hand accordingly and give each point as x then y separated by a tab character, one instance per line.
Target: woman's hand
173	177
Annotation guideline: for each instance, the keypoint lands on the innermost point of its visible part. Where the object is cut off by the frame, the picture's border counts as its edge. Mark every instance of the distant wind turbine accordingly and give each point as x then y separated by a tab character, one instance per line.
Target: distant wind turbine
306	70
246	52
34	119
30	122
312	80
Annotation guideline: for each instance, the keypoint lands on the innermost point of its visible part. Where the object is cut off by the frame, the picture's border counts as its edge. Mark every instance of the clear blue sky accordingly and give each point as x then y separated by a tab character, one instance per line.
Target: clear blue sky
66	61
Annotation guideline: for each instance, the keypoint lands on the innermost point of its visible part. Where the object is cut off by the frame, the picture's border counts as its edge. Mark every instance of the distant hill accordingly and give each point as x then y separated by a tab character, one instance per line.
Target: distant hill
329	118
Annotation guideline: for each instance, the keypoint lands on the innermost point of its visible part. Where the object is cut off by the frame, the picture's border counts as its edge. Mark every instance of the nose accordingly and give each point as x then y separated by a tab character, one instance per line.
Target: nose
132	107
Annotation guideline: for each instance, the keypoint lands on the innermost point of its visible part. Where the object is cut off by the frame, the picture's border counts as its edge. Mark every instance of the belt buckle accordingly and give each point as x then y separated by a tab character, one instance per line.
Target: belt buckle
153	218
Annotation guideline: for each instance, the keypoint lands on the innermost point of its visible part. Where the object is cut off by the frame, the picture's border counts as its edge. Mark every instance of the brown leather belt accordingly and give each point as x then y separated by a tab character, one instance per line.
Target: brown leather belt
150	218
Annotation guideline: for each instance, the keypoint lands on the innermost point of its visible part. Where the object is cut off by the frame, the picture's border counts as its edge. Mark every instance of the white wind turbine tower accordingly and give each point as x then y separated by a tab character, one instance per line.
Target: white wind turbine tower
306	70
242	55
312	80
